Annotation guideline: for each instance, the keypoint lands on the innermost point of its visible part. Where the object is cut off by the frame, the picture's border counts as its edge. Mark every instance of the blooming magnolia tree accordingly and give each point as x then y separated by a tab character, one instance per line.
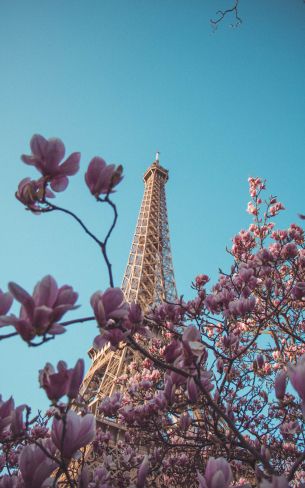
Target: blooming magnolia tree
215	394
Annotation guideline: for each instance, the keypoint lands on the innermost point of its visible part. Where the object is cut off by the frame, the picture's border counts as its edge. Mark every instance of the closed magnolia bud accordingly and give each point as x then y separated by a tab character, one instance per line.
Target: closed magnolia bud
265	452
192	390
185	421
264	395
280	385
219	365
143	472
260	361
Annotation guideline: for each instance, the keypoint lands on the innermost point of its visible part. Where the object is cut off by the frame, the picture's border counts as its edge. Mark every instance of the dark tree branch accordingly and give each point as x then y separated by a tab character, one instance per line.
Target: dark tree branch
223	13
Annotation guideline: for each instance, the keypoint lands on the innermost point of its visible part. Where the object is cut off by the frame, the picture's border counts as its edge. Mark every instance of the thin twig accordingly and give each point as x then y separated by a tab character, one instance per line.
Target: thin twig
222	14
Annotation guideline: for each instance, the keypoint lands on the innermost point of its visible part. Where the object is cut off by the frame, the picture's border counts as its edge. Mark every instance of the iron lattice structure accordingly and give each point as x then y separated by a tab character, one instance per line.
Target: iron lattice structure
149	280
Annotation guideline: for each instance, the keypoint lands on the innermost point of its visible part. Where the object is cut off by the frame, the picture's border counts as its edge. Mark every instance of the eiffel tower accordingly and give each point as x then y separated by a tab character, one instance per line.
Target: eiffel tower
148	280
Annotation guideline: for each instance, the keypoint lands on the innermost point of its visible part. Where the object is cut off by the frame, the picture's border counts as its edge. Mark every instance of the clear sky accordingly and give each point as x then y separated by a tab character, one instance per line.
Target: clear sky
121	79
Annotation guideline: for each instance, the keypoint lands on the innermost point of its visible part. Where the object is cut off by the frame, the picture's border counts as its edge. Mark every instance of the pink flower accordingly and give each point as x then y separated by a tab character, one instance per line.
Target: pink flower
217	474
110	405
64	382
191	341
109	308
289	251
242	306
201	280
297	376
255	184
185	421
11	418
6	412
290	428
172	351
46	157
251	209
192	390
298	291
113	336
135	314
101	478
7	481
39	313
277	482
275	209
101	178
74	432
109	305
260	361
35	465
17	423
6	300
143	472
31	193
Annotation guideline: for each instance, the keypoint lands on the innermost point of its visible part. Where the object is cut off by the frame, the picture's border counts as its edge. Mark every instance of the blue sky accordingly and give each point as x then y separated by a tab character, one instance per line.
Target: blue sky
121	79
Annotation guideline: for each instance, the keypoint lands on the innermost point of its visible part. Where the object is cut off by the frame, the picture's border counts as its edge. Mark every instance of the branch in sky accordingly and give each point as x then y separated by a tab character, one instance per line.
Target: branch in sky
221	14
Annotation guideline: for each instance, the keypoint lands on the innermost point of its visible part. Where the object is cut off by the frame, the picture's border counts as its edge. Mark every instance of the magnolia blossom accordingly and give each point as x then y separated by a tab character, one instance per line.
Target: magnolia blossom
277	482
296	375
274	209
109	304
35	466
255	184
101	177
31	193
6	412
17	422
217	474
109	307
251	209
192	390
40	312
143	472
12	481
113	336
73	432
242	306
201	280
64	382
6	300
110	405
191	341
185	421
298	291
101	478
11	418
46	157
280	384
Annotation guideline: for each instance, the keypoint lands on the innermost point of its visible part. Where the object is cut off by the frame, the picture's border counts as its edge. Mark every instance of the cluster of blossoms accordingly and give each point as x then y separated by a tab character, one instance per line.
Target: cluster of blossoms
46	157
39	312
116	318
212	395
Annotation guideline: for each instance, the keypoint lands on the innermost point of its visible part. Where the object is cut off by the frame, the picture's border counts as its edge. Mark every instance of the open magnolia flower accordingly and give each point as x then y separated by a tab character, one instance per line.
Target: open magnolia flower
47	155
73	432
41	311
101	178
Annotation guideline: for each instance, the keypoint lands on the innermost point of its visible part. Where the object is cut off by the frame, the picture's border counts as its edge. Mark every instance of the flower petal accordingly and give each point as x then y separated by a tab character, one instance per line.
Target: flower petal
38	145
23	297
59	183
55	152
71	165
45	292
